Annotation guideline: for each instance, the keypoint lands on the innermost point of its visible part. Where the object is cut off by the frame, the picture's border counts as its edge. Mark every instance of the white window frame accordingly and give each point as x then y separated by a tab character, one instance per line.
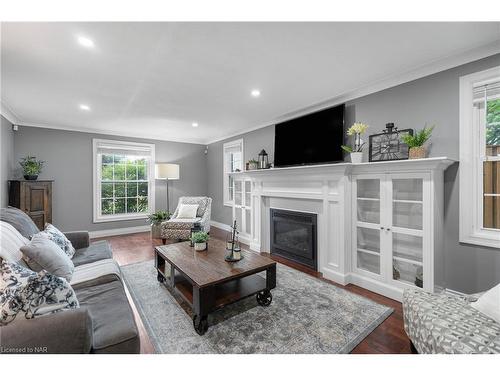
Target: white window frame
472	155
227	168
97	169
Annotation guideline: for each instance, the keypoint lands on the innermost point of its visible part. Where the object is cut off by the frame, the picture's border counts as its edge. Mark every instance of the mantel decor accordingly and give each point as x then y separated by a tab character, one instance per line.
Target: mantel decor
389	145
263	160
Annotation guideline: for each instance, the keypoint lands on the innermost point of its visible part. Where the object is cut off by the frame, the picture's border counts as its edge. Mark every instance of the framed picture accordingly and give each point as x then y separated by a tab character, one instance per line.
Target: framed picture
388	145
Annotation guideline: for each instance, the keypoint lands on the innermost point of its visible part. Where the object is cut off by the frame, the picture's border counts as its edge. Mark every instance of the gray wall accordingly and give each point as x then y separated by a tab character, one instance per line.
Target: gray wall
7	158
68	160
430	100
253	143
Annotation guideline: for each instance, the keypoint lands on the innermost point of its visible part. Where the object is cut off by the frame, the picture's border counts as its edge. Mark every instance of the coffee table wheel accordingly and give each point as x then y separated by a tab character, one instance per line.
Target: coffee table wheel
160	277
200	324
264	298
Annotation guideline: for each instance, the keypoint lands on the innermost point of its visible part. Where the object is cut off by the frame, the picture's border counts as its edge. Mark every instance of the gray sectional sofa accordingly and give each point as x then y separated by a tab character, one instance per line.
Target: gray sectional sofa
104	322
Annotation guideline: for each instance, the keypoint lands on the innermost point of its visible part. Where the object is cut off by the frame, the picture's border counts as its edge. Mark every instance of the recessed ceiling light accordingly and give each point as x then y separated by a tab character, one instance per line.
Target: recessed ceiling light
84	107
194	124
86	42
255	93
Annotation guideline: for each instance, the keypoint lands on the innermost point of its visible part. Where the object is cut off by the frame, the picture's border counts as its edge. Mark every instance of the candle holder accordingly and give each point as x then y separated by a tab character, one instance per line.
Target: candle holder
233	248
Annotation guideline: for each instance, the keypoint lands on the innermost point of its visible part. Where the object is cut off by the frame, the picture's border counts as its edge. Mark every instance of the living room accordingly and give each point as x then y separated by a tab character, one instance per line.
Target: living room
250	187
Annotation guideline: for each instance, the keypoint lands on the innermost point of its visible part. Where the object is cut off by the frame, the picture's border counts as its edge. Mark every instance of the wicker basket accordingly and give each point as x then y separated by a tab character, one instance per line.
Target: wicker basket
418	152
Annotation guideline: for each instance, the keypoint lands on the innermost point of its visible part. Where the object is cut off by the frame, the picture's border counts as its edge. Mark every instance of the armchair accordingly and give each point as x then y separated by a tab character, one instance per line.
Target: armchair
180	229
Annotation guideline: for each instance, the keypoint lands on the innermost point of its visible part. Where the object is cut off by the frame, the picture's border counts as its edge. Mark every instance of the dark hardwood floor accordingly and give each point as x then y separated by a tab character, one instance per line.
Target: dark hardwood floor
389	337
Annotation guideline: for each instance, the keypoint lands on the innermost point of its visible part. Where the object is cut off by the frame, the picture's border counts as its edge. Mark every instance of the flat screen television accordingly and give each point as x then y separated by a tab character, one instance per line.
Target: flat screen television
311	139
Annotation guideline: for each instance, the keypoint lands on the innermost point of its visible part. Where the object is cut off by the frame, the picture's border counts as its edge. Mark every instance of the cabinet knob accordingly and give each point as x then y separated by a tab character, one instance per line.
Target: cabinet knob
381	228
387	229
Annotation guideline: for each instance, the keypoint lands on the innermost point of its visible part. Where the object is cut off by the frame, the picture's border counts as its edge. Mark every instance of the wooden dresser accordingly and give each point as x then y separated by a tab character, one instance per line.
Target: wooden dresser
34	198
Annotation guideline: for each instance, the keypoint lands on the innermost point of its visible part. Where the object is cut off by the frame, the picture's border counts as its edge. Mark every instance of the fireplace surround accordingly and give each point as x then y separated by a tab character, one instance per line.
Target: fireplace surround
294	236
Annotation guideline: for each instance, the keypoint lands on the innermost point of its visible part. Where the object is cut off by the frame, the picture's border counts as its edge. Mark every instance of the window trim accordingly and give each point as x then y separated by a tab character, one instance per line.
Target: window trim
471	229
225	172
96	186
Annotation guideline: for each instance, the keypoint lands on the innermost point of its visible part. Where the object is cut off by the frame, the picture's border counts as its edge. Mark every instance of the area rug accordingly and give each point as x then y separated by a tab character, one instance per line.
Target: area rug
307	315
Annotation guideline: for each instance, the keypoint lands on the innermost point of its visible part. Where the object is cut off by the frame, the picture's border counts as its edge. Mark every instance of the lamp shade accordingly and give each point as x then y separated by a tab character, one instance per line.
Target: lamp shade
166	171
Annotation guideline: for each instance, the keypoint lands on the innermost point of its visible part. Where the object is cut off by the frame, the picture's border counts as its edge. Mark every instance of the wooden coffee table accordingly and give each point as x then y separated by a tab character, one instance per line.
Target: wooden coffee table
207	282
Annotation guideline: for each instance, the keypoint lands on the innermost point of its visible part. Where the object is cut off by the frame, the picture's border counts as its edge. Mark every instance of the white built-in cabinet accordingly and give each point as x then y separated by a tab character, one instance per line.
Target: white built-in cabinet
242	207
392	235
379	224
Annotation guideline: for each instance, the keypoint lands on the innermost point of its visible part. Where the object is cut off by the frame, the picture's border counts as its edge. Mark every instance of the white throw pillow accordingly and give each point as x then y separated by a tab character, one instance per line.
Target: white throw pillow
489	303
187	211
11	242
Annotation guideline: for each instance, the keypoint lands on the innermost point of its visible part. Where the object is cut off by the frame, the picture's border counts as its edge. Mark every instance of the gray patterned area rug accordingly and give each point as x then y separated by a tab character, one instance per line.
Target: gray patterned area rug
307	315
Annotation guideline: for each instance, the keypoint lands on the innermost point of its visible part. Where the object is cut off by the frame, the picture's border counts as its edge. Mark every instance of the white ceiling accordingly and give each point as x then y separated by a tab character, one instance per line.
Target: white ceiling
153	80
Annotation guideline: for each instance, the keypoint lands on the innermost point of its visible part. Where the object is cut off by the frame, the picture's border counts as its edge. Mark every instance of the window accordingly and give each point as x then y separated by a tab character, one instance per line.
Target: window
480	158
123	180
233	162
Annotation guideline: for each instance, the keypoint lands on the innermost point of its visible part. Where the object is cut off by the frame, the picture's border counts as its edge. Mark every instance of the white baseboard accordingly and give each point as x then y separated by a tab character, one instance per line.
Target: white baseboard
244	239
119	231
222	226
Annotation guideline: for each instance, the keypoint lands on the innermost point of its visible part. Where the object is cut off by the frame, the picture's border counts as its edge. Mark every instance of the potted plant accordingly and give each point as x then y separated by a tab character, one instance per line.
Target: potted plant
200	240
416	142
31	167
356	152
156	219
252	164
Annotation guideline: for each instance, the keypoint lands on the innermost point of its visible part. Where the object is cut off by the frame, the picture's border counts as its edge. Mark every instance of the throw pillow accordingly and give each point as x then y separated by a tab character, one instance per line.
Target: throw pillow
25	294
489	303
187	211
44	254
11	242
60	239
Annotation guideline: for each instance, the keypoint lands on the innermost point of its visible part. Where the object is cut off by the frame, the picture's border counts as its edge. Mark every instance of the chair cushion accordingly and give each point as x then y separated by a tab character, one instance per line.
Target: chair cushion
19	220
11	243
95	251
44	254
113	321
25	294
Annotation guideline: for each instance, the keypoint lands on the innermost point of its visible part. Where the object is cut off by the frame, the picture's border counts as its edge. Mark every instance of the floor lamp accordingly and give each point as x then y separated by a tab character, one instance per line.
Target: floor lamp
167	171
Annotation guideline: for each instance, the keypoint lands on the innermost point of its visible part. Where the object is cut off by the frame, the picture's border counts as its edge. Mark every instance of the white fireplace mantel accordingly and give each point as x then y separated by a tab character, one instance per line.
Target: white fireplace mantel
328	189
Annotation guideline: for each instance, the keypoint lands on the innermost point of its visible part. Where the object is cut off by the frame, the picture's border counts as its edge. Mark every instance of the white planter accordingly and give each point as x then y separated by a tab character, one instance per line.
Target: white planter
200	246
356	157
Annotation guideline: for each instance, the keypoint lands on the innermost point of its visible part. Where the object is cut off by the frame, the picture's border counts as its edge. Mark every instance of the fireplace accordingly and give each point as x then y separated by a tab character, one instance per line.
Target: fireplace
293	236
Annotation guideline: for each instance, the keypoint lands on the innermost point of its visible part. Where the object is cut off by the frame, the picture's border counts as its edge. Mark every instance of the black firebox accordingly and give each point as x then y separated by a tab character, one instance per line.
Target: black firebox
293	236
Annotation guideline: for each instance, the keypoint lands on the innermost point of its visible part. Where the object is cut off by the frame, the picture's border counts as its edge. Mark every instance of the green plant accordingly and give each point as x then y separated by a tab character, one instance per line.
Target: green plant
158	217
253	161
31	166
200	237
419	138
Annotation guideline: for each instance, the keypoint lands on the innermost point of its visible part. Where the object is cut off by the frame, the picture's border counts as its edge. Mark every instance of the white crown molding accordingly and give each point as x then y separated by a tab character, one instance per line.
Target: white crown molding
119	231
8	113
106	132
428	69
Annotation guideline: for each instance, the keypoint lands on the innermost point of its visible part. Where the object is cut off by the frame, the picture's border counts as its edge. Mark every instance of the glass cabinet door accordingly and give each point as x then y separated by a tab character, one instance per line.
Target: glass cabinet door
238	192
407	231
367	225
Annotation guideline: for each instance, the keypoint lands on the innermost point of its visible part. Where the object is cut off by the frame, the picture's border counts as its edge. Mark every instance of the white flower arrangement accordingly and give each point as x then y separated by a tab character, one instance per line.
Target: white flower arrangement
356	129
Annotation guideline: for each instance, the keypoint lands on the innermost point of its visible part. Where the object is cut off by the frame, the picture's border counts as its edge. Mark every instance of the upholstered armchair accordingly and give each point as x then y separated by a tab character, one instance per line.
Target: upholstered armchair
180	229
